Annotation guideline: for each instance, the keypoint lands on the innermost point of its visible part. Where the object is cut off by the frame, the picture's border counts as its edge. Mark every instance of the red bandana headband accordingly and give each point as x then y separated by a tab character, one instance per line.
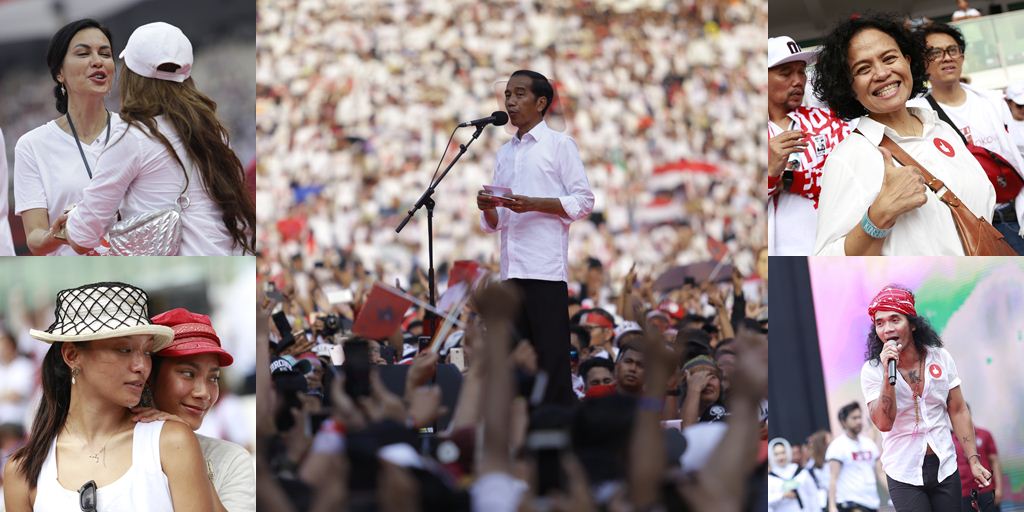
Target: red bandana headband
892	299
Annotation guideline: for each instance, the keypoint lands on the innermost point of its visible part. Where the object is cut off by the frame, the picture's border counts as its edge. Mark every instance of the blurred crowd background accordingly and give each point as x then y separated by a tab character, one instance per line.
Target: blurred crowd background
355	101
221	34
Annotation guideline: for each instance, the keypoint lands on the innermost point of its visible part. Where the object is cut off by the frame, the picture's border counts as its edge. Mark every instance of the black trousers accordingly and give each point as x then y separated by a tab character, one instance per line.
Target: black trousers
933	496
986	502
544	320
853	507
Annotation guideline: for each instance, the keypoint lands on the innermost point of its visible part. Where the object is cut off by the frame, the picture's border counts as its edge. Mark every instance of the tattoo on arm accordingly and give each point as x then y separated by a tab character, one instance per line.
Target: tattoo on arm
889	407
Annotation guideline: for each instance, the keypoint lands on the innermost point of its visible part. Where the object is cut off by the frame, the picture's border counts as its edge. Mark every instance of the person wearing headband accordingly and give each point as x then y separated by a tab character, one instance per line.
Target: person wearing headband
172	152
84	451
185	385
914	414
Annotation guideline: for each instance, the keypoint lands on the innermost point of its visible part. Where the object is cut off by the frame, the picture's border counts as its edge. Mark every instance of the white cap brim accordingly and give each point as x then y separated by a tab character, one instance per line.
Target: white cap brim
808	57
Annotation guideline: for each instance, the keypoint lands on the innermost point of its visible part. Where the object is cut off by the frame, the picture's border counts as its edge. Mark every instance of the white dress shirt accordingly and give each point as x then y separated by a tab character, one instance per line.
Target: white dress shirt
544	163
6	242
138	169
852	178
903	451
49	172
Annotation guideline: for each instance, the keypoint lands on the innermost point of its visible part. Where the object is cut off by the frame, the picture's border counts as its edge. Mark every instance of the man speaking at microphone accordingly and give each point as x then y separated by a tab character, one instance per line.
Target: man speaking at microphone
549	191
913	401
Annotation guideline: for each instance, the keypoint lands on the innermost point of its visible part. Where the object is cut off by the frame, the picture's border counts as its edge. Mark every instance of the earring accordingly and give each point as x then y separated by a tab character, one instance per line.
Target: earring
62	91
74	373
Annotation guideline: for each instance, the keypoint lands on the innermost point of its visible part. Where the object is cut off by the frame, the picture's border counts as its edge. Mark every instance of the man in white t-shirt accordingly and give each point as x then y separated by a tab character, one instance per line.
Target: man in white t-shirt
1015	101
914	403
981	117
808	132
964	11
854	464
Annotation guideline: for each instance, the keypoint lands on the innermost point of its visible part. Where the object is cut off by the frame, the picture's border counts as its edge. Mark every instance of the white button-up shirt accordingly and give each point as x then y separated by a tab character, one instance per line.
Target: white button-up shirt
543	163
137	173
852	178
903	451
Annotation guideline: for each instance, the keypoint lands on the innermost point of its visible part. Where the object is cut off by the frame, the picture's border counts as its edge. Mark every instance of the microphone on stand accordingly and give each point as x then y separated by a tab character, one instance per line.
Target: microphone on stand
497	118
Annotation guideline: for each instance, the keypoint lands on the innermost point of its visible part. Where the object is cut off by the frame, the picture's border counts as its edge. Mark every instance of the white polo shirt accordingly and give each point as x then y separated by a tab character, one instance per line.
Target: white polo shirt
902	451
856	480
543	163
852	178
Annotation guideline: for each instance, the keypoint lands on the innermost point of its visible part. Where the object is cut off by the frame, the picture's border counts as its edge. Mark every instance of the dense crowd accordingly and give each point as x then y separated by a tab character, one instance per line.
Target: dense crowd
356	100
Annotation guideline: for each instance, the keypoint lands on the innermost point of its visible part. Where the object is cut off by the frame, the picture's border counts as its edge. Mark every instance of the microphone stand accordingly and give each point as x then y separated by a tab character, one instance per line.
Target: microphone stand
426	199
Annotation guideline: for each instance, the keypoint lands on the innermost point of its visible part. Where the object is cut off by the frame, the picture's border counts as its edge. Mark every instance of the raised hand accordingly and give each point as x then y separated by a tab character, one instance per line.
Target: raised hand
780	147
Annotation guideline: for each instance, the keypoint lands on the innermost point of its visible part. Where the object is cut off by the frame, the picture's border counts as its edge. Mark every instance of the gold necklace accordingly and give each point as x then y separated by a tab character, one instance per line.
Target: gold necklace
96	456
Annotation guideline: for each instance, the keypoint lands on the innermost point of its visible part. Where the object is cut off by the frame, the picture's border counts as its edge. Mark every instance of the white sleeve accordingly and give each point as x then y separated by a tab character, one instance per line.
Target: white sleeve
843	201
580	199
235	486
832	453
952	375
6	242
115	170
502	220
774	490
496	492
28	185
871	381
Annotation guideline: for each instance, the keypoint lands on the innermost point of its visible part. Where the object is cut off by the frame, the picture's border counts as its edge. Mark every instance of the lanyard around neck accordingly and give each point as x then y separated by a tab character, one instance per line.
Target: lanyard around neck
82	151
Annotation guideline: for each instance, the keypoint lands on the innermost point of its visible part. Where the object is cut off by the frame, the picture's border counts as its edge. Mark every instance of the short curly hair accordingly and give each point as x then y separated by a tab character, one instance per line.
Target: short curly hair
832	80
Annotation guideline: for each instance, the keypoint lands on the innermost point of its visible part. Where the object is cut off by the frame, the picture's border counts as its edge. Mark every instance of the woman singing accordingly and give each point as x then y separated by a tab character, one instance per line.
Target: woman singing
915	413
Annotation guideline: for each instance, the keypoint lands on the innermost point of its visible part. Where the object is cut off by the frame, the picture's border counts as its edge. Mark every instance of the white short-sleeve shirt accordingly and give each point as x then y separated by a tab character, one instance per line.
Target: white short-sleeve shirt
852	178
856	481
903	451
49	172
137	173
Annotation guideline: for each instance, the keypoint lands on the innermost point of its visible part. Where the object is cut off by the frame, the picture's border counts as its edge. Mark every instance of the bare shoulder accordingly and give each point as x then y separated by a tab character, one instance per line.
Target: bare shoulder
16	492
175	435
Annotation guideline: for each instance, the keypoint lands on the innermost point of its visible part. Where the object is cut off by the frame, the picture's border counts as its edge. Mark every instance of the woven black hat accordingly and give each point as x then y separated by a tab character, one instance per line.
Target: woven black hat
102	310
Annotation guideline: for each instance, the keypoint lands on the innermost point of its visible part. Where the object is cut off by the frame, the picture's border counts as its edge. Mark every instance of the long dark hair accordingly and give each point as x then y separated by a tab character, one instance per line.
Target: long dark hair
50	417
59	48
922	332
194	117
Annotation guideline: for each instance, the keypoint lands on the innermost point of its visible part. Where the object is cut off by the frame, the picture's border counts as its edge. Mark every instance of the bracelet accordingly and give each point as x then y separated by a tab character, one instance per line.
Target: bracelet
975	455
871	229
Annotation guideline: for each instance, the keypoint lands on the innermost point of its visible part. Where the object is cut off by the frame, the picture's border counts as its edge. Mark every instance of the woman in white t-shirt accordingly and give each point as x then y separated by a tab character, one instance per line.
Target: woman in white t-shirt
870	204
55	162
172	150
84	446
915	408
185	384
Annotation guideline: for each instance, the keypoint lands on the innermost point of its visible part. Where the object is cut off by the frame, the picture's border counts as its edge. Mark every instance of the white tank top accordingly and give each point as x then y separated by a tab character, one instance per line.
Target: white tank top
142	487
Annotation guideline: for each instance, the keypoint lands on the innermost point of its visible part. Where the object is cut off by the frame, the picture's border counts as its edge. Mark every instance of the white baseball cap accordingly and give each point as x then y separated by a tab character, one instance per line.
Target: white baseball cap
158	43
783	50
1015	93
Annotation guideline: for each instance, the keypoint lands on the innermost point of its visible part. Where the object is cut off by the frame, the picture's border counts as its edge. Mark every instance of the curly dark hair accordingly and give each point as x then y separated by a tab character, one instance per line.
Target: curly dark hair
922	332
941	28
832	79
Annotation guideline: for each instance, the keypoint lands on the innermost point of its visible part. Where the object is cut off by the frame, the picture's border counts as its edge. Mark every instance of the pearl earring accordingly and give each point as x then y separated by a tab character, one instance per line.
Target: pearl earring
74	373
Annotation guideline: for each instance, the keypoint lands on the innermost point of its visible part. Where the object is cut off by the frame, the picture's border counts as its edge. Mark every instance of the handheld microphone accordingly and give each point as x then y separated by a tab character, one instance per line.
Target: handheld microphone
892	370
497	118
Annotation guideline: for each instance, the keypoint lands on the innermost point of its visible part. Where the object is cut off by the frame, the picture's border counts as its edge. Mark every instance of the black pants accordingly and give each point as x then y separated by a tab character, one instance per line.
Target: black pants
544	320
853	507
933	496
986	502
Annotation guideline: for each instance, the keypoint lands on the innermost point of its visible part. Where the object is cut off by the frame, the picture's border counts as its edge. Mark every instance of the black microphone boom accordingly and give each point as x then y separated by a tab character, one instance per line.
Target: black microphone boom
497	118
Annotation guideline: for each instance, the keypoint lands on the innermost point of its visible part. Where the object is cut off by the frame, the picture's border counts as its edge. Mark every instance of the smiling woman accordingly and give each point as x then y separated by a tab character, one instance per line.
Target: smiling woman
867	70
83	436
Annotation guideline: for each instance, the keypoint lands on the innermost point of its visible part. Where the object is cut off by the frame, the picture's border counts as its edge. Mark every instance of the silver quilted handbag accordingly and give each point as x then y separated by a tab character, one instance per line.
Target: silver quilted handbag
156	233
